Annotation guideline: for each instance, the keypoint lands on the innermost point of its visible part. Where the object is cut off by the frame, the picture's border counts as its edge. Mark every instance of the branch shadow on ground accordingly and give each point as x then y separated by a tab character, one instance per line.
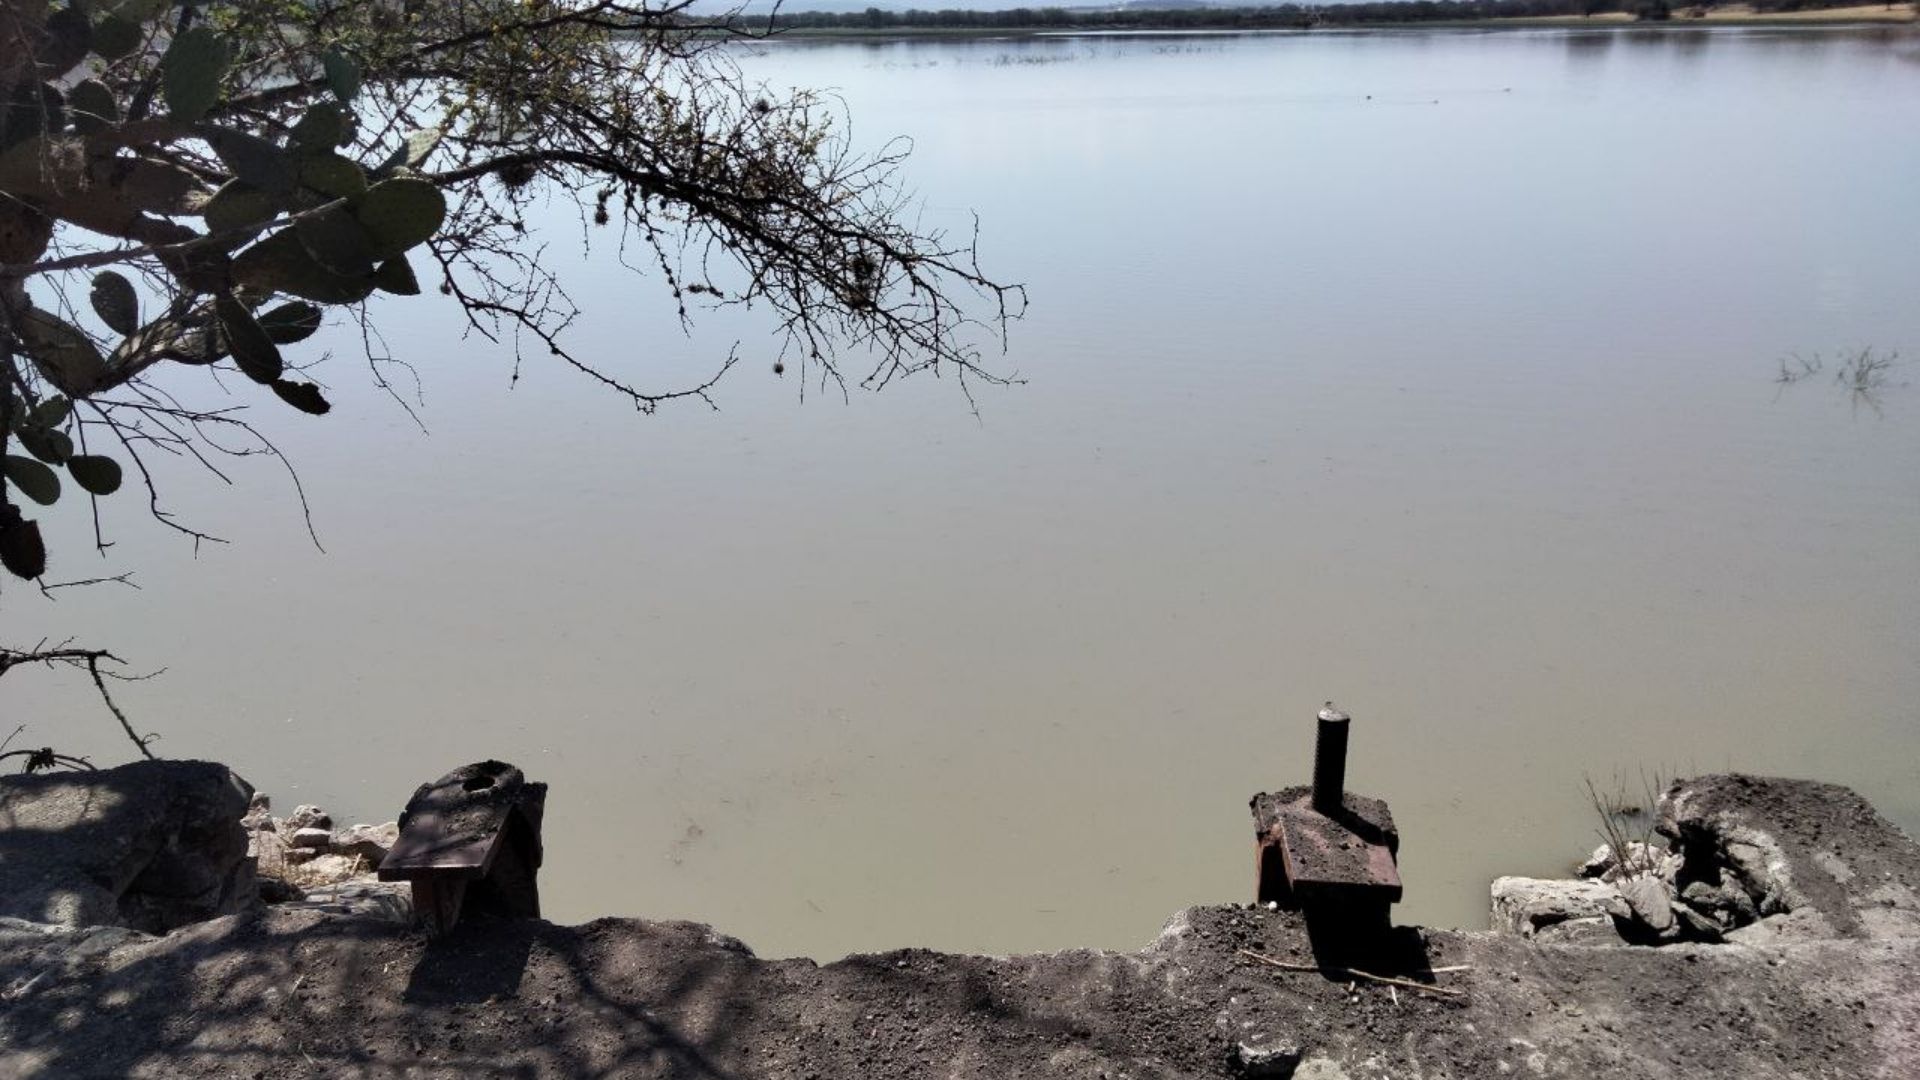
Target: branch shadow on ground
312	996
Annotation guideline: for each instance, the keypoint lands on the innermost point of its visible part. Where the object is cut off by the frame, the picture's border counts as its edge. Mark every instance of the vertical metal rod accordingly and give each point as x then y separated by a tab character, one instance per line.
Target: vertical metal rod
1330	760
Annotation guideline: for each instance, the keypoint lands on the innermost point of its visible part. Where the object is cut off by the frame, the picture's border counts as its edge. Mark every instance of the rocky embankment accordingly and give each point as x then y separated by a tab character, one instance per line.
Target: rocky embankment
1740	859
304	861
1772	929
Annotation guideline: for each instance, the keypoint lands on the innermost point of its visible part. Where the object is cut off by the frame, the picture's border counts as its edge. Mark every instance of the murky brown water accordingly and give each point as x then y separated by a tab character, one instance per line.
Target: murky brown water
1453	403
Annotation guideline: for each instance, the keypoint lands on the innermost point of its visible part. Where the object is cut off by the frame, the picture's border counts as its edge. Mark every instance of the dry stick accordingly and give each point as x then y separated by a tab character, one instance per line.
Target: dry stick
1353	973
93	669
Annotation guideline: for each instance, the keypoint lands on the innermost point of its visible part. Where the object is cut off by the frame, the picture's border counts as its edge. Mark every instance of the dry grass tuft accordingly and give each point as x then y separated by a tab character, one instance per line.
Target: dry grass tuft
1626	818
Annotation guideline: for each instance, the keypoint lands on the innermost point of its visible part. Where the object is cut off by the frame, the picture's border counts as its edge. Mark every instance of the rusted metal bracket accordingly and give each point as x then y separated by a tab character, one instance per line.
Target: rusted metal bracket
1323	850
470	844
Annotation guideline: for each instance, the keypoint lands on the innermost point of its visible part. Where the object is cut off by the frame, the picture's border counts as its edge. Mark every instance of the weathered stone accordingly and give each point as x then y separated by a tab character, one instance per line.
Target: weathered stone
1727	904
360	898
311	838
259	816
1640	859
1592	930
76	942
1277	1060
1761	867
324	870
152	845
369	842
1525	906
266	849
1596	864
1695	925
1643	910
1738	904
306	817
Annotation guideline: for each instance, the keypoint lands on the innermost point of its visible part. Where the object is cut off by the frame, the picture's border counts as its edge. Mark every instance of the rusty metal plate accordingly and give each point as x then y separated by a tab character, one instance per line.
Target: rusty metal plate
429	853
456	826
1335	858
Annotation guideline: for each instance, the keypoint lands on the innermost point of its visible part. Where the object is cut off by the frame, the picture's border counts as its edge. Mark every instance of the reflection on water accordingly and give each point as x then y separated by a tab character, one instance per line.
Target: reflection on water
1430	372
1589	44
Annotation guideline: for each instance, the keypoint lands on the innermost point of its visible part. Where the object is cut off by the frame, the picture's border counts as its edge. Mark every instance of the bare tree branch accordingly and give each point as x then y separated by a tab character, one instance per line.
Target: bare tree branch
66	655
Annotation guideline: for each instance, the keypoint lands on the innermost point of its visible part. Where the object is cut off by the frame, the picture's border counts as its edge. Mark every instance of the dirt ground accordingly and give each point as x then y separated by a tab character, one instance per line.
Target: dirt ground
302	995
279	992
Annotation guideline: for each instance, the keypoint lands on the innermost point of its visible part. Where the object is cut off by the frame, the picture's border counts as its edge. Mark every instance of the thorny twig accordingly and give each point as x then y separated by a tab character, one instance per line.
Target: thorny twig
116	579
64	655
47	758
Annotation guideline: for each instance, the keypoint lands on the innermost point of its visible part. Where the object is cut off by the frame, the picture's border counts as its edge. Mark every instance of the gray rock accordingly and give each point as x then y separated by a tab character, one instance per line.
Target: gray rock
306	817
360	899
1727	904
259	816
1701	895
268	850
1277	1059
1596	864
1695	925
318	839
369	842
322	870
1738	904
1591	930
1756	861
54	944
152	845
1643	910
1640	859
1526	906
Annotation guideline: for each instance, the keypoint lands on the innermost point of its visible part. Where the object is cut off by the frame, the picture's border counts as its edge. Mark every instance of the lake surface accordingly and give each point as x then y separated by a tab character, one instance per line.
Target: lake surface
1430	372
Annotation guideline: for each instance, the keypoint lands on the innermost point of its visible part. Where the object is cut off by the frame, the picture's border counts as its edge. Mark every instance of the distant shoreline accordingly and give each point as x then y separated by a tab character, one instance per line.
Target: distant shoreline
1865	15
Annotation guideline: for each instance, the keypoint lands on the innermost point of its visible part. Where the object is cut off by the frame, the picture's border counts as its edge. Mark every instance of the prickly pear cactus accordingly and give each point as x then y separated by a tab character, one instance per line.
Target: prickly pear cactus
401	213
115	302
226	257
191	72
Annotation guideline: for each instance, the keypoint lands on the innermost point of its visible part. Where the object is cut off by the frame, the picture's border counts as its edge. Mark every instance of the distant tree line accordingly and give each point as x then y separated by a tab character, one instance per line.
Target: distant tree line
1272	17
